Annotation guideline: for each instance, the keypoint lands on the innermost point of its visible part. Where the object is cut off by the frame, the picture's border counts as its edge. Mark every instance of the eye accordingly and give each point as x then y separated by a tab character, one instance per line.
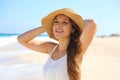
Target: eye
65	22
55	21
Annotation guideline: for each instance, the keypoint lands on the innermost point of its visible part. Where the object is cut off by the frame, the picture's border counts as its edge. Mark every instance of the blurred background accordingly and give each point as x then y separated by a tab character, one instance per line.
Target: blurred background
102	59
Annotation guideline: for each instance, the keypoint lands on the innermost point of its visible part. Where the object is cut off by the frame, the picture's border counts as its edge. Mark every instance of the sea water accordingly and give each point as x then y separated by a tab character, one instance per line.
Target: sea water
11	67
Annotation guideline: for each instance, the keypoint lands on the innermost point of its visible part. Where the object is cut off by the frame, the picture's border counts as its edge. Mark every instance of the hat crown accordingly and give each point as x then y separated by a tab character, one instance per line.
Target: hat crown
67	9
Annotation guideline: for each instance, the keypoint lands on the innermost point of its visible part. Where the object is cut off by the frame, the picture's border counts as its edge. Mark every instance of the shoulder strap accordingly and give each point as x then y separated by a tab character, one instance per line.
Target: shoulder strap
53	50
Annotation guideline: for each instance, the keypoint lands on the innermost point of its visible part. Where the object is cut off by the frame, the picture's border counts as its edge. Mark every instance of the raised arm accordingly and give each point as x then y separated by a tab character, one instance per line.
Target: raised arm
27	39
88	33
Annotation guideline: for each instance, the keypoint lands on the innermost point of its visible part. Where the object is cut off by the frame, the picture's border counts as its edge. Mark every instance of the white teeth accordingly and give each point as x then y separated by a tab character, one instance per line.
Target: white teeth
59	30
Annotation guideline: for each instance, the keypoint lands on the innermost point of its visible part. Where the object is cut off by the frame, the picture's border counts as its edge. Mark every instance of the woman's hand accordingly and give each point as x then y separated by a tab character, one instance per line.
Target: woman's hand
29	35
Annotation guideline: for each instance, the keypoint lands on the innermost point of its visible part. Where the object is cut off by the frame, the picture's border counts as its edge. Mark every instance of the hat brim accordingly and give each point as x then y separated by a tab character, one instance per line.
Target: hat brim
47	21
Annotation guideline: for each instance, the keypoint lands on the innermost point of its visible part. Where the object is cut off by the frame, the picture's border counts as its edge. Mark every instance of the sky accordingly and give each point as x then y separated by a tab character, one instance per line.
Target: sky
18	16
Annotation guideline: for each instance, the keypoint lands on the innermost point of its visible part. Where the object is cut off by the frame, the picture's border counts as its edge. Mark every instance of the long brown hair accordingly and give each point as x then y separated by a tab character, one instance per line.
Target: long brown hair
73	51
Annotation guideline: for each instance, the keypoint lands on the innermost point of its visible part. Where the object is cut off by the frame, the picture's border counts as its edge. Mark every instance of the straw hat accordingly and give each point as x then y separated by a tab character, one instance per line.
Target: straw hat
47	21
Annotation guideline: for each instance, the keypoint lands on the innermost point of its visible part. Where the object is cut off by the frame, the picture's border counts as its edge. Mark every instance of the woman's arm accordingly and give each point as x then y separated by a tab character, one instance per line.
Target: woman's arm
88	33
27	39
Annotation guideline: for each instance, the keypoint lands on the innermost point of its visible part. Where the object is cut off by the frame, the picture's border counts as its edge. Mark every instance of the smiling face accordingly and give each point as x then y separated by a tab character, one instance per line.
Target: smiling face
62	27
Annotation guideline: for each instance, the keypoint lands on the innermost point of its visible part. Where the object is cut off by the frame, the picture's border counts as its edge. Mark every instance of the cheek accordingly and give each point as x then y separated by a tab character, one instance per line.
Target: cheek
53	29
69	30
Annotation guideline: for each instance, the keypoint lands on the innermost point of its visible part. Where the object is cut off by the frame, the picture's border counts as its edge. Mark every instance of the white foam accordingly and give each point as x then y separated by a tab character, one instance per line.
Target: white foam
7	40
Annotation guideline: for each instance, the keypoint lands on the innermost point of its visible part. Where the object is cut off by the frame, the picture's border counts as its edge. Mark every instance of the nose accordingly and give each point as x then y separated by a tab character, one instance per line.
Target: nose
59	25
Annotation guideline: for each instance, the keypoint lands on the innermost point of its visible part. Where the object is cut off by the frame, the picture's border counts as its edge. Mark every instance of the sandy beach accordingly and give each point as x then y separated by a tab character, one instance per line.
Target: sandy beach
101	61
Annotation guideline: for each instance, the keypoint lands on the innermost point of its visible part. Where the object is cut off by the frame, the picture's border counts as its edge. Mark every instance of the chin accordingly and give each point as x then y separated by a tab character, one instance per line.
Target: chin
59	37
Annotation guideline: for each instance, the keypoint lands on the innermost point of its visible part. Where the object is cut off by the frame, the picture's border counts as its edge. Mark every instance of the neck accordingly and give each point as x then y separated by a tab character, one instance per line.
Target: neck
63	44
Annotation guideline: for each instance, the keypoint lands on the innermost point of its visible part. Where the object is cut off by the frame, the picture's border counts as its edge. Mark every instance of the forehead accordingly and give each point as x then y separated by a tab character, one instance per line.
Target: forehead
62	16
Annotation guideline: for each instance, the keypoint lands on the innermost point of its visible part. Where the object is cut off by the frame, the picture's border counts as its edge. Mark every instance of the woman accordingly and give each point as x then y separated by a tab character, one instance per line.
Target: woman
74	35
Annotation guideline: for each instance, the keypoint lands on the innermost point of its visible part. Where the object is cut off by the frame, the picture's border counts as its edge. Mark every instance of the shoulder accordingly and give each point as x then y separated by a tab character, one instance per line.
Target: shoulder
51	45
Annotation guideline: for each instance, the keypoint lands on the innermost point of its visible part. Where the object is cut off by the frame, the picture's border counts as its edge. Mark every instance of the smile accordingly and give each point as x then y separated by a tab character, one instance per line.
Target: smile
59	31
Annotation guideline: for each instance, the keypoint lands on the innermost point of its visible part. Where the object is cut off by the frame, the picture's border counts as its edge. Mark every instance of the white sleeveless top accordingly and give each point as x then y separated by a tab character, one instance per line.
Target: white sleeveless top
55	69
